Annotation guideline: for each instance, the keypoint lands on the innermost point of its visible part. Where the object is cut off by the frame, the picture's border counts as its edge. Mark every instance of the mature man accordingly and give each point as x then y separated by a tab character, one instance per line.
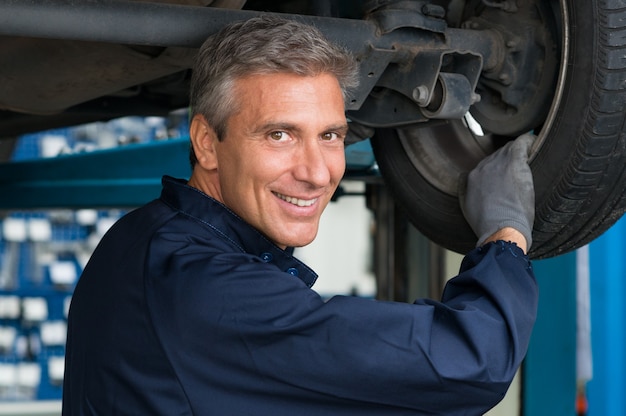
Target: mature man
193	304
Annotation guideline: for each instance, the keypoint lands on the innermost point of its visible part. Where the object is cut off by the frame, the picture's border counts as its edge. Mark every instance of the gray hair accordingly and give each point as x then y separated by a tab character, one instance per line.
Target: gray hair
261	45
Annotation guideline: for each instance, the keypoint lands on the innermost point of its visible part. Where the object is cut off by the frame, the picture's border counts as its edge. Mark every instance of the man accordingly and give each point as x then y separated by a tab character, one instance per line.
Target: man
193	303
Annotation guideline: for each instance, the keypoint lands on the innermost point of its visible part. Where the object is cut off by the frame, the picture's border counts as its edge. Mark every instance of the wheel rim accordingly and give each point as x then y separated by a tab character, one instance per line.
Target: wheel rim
441	153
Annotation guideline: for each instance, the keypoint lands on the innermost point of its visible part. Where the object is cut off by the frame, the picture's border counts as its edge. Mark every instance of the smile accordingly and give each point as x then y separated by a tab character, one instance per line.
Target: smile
296	201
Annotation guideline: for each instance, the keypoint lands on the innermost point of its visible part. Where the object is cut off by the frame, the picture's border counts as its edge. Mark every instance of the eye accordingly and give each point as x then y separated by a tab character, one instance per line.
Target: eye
329	136
277	135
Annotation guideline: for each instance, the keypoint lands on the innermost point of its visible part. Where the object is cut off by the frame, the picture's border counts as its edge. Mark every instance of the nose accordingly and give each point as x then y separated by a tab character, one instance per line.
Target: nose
312	164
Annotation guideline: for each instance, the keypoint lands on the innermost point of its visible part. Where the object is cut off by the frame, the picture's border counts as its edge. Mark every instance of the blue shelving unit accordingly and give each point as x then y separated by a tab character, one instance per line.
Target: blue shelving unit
42	253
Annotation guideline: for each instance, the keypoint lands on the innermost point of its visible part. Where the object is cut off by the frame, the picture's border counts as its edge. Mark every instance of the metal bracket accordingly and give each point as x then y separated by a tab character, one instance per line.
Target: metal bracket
430	72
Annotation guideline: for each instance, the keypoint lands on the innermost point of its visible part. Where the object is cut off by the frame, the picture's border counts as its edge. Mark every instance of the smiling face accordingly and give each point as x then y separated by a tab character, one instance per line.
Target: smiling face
282	156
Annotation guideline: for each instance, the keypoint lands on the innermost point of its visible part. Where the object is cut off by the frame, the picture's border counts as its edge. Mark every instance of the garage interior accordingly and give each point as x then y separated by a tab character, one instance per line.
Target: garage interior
91	174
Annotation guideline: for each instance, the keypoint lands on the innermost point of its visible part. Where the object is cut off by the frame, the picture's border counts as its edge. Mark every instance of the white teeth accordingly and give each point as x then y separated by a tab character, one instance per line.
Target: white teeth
296	201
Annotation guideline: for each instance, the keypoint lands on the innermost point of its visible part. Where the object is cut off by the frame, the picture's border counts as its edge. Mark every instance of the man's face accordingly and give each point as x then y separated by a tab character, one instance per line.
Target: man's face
283	154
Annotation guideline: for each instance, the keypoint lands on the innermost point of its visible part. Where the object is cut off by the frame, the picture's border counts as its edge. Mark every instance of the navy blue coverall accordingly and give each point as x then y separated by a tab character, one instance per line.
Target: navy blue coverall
185	309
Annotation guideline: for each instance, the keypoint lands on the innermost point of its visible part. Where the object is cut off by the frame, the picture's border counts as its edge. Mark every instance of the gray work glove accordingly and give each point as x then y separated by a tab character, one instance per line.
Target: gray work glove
499	192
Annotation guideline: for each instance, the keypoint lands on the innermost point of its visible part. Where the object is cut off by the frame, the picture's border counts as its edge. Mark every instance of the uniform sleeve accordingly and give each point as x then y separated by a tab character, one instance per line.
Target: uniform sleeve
231	322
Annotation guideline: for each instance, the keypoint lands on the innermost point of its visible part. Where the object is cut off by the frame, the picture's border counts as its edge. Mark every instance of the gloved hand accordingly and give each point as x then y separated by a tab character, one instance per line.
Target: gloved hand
499	192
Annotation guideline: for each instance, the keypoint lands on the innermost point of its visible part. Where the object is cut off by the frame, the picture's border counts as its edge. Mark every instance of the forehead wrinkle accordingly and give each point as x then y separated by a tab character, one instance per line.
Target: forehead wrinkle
272	104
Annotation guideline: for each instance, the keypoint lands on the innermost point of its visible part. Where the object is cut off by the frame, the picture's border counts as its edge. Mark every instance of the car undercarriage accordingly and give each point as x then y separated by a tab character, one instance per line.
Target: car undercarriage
443	84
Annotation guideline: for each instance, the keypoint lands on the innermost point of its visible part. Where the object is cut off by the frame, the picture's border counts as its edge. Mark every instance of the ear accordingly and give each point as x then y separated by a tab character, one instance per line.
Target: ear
203	140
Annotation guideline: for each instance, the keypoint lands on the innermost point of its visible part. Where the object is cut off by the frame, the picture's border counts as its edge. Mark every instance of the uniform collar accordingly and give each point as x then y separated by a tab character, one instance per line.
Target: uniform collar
193	202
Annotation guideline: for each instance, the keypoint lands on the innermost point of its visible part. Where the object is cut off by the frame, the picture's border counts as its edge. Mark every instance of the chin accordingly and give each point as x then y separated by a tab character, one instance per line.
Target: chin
298	245
297	235
294	243
298	241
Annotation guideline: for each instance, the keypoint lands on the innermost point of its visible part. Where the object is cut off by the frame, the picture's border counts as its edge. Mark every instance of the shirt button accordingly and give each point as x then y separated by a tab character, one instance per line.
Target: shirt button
266	257
292	271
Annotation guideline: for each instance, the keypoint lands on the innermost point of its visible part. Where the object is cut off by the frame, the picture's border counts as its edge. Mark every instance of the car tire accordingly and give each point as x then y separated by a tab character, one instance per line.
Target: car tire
578	162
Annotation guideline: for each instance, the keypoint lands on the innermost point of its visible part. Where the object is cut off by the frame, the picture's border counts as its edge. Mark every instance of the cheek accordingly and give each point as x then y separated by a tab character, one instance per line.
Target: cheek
250	177
337	165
